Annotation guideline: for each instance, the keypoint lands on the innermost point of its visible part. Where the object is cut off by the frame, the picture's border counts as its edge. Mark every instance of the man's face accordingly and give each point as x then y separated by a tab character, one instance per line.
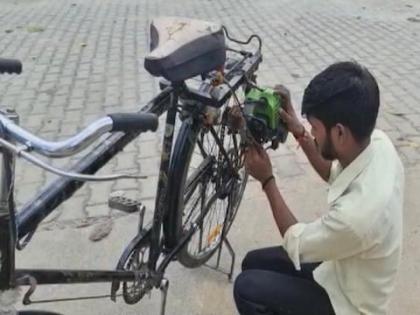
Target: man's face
322	139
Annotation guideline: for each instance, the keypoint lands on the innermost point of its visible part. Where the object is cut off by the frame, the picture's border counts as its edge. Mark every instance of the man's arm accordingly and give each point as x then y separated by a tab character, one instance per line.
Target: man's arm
282	215
321	165
259	166
327	238
288	114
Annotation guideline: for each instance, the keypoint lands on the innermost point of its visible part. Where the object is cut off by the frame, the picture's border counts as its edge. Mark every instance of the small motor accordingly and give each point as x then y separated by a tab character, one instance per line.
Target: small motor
261	109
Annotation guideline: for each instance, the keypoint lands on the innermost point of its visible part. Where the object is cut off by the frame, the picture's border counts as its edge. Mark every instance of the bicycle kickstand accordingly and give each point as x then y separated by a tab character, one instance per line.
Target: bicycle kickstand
164	286
232	255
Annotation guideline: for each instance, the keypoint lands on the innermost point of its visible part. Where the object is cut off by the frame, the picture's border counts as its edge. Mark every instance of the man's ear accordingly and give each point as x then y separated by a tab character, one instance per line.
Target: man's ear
342	133
339	133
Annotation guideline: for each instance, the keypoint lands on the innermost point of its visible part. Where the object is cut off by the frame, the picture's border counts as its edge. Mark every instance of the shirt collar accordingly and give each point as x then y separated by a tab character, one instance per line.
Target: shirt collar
347	175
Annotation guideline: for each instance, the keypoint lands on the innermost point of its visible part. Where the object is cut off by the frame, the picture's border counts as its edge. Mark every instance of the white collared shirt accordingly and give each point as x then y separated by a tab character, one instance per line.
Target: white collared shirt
359	239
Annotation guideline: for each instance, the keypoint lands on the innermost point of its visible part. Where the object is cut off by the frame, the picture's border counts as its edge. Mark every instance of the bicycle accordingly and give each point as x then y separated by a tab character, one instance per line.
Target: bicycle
201	177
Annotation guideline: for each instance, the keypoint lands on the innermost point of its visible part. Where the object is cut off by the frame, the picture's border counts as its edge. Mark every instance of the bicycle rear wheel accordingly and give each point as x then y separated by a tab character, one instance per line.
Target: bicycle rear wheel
205	189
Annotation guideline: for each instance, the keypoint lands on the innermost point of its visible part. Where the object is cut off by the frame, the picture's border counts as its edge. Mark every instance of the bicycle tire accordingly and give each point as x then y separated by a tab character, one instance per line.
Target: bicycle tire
179	176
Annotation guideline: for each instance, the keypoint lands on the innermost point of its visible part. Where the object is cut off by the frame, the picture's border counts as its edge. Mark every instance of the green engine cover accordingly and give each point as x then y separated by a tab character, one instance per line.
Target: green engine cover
266	105
262	112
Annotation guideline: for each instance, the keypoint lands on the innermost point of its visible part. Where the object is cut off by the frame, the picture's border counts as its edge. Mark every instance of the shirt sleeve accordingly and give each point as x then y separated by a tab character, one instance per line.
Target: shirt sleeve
328	238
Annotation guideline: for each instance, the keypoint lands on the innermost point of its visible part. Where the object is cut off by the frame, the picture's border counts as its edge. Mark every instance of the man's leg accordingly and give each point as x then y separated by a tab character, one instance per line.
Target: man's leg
276	259
260	292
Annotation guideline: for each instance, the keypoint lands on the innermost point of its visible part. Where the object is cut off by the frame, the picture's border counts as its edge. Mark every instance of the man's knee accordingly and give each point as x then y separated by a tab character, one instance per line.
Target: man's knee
253	260
247	261
244	286
243	291
270	258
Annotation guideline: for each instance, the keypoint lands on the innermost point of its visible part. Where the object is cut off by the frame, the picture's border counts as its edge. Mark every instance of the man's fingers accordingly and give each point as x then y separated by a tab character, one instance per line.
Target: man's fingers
248	153
259	149
253	151
285	115
288	107
281	88
282	91
251	155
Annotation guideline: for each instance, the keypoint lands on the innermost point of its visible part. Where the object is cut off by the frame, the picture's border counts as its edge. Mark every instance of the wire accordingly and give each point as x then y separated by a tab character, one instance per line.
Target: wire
233	92
243	42
246	135
249	81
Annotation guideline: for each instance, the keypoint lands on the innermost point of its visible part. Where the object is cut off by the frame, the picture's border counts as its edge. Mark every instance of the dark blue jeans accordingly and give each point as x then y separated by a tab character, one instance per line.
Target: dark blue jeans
270	285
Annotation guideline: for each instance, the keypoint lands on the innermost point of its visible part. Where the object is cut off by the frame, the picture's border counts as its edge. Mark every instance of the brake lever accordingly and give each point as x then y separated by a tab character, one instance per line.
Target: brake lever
21	152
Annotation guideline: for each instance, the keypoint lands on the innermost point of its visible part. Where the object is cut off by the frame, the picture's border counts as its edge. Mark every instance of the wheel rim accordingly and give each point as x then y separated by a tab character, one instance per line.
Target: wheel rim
203	198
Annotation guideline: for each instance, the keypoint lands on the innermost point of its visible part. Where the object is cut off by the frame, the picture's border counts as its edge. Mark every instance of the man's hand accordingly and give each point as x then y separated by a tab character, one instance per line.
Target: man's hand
293	124
257	163
288	113
235	118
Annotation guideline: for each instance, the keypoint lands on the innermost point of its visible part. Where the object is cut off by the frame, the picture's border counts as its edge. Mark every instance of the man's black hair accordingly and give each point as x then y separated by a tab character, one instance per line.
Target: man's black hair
345	93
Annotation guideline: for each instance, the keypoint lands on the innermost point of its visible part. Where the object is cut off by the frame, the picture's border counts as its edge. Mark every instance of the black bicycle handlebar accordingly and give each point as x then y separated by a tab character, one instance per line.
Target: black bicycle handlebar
10	66
134	121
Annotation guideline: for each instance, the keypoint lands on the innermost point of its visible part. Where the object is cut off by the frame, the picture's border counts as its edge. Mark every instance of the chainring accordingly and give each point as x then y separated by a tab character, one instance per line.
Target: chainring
133	291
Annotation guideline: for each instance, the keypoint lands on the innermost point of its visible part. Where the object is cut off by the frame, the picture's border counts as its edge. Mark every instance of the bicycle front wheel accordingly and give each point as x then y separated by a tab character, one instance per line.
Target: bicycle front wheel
205	189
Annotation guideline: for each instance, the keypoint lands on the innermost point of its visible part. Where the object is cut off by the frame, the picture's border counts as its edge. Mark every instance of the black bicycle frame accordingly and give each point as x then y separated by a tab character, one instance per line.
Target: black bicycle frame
61	189
161	195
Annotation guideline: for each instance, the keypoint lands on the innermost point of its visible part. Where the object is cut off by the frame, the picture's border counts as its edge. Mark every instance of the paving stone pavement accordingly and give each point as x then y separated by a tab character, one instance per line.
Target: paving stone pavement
83	59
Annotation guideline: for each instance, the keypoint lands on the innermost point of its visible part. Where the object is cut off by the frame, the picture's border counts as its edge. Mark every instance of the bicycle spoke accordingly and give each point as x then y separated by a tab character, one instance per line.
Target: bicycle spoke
203	203
213	177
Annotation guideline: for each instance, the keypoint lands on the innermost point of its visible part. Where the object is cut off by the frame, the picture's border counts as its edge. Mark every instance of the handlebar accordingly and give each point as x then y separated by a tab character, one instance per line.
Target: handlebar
134	121
10	66
125	122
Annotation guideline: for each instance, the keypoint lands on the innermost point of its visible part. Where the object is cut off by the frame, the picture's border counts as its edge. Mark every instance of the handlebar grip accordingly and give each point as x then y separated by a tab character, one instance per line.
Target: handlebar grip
10	66
134	121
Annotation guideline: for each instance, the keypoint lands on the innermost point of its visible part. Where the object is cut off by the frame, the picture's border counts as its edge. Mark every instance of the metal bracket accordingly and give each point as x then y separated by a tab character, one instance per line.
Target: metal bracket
232	254
164	286
32	287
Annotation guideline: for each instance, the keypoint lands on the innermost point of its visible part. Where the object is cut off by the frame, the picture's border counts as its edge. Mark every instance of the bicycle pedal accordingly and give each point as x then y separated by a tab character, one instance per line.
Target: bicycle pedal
123	203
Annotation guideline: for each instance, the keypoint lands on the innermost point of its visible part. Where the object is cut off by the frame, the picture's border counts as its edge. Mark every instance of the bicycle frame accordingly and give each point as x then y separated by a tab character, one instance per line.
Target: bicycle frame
61	189
47	201
17	228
